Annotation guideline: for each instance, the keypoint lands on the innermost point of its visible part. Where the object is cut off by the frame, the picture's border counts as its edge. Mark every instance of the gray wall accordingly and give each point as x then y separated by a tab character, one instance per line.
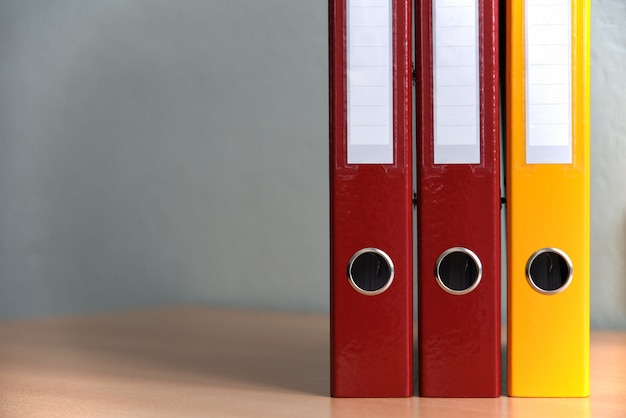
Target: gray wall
163	152
608	163
160	152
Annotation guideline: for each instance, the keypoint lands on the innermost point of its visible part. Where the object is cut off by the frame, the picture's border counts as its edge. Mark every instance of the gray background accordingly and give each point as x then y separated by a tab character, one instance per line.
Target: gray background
176	152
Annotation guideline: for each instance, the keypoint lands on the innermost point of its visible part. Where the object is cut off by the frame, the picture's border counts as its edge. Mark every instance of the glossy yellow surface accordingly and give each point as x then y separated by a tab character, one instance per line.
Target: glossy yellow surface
548	206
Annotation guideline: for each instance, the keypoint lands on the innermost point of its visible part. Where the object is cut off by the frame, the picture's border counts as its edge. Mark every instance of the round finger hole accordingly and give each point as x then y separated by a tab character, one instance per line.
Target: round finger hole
370	271
549	270
458	270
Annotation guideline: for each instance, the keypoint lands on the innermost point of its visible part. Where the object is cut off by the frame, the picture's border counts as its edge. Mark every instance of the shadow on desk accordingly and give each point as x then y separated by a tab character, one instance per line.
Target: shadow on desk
200	362
192	346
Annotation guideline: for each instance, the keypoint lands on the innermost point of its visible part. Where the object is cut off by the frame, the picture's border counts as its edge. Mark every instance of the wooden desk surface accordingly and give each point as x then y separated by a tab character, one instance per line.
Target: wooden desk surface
194	362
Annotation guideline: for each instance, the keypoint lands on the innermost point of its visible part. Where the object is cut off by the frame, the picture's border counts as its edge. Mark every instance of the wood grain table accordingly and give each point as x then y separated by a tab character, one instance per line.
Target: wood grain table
197	362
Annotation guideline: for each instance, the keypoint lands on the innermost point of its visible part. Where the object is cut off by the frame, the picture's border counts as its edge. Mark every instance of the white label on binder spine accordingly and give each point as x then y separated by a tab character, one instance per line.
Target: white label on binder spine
369	82
548	82
456	97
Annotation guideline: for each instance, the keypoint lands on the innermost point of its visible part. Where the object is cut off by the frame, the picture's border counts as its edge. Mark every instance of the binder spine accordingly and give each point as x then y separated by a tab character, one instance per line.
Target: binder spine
371	232
459	223
548	222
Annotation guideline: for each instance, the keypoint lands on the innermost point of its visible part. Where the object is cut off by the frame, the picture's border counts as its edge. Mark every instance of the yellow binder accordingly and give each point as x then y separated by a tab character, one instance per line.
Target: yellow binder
547	134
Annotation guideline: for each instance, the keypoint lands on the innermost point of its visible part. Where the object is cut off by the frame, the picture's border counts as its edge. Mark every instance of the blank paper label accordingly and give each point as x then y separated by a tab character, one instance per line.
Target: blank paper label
455	82
369	82
548	82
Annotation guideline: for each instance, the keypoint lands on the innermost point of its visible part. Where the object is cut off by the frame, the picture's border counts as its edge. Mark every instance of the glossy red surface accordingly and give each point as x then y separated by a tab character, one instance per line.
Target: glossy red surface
371	206
459	206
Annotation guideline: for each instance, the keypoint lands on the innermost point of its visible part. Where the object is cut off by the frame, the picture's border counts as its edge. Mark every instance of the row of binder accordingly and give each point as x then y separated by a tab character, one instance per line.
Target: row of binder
457	195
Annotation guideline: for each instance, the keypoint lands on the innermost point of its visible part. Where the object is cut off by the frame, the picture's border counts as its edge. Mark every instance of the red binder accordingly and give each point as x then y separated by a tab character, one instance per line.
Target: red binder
371	198
458	198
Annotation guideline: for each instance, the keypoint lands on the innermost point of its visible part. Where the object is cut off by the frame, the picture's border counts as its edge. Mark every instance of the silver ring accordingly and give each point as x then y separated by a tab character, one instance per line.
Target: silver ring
473	256
570	268
385	257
